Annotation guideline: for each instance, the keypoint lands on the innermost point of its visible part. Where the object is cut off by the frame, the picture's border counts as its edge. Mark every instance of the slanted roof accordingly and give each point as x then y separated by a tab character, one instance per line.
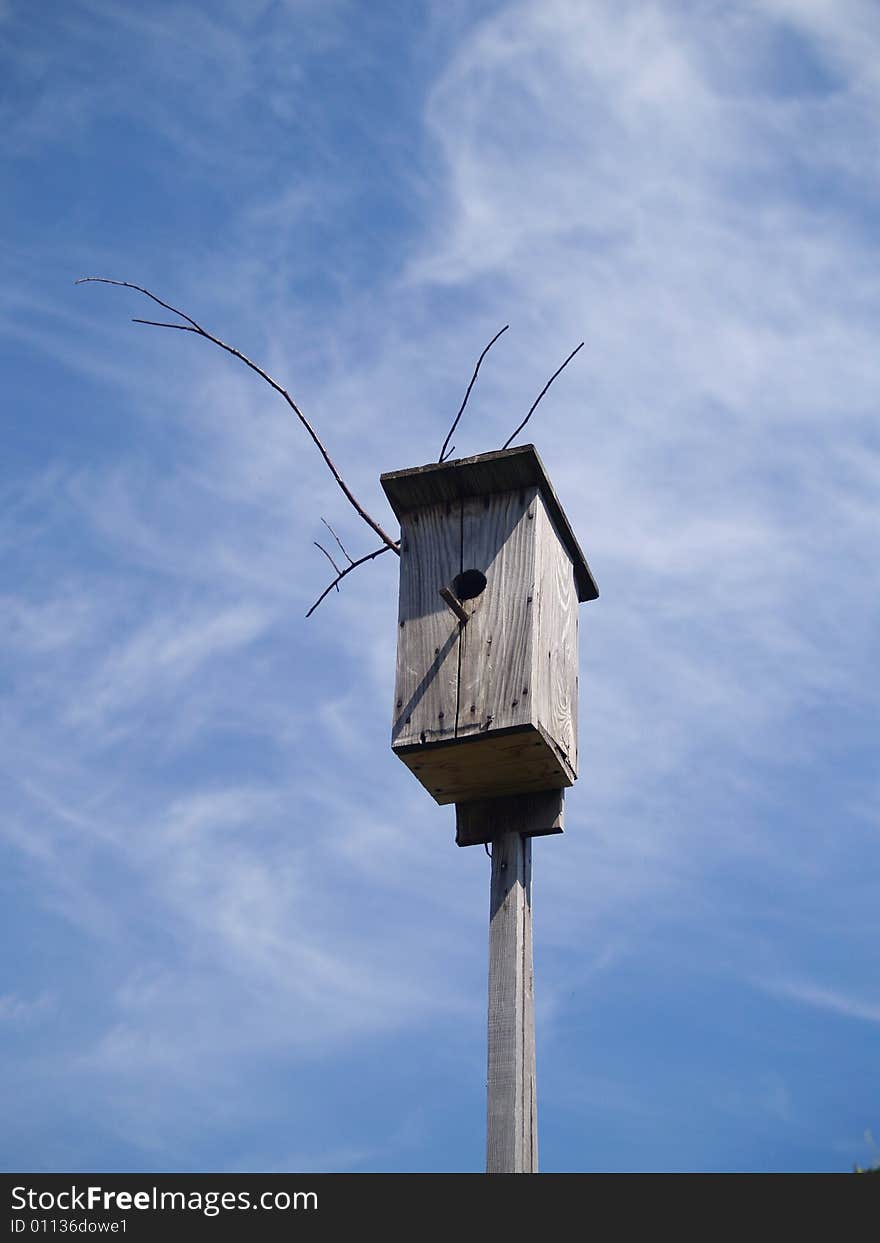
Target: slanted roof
502	471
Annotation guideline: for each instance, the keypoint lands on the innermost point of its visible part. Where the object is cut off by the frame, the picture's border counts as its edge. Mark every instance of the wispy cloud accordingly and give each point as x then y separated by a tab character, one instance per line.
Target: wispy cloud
22	1012
198	782
817	997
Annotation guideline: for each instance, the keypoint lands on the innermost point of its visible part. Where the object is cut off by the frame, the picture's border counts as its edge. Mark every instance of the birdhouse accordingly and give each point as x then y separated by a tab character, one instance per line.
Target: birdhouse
491	574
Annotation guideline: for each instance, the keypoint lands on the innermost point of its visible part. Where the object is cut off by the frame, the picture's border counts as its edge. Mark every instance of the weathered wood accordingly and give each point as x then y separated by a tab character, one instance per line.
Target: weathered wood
486	712
501	660
426	689
511	1109
449	598
446	673
534	815
555	638
508	470
495	668
522	760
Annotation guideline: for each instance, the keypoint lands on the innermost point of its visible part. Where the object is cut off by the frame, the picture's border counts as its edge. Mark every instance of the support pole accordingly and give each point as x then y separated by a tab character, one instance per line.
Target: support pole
511	1106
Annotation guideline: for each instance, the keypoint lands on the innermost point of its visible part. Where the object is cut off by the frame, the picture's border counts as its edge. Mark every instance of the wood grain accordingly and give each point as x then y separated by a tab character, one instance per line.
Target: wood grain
502	661
483	819
426	684
519	761
555	653
498	537
511	1109
506	470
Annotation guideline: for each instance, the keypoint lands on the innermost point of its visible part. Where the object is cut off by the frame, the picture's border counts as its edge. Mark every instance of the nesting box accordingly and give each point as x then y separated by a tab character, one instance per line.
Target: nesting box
490	579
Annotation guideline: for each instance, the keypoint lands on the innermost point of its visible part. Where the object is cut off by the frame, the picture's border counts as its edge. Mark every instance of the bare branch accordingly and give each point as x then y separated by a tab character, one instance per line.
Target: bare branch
338	540
342	573
105	280
329	558
541	394
467	395
230	349
157	323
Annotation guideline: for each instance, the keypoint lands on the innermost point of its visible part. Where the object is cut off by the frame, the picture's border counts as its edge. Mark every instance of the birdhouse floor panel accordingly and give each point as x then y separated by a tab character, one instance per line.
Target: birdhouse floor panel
520	760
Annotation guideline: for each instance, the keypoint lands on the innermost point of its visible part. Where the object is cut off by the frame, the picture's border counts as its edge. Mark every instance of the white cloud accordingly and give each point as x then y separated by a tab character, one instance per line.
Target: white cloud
200	781
817	997
21	1012
161	656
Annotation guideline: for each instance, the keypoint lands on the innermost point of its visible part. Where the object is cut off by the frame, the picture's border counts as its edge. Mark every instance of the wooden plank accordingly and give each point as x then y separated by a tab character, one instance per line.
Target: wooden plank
511	1109
426	685
535	815
498	538
554	657
521	760
506	470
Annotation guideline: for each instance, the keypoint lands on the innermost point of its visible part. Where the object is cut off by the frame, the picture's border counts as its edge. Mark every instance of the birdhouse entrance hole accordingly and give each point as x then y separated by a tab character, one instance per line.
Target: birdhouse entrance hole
469	584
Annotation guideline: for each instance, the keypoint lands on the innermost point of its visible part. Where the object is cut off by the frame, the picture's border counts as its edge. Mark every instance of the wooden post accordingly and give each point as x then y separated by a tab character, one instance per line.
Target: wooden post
511	1105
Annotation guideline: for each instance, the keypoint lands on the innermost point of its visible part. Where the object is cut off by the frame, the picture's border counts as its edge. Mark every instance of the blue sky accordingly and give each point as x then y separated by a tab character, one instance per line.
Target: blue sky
238	935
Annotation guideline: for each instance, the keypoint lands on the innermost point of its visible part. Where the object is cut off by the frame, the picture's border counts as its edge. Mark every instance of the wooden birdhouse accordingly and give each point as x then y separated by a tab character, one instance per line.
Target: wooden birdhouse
487	665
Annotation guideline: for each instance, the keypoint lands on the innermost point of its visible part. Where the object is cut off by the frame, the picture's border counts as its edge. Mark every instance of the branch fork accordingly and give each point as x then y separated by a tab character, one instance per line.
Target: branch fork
388	544
191	325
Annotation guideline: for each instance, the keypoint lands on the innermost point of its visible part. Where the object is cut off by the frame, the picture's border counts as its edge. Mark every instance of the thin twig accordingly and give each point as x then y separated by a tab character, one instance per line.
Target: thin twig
541	394
342	573
468	393
329	558
338	540
158	323
192	326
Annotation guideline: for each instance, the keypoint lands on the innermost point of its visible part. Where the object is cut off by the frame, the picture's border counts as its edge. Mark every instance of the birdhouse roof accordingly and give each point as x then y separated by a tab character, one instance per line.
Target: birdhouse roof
502	471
